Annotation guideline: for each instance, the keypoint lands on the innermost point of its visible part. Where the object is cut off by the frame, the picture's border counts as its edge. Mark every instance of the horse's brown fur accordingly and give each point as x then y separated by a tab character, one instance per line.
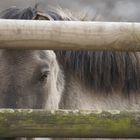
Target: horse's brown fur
93	80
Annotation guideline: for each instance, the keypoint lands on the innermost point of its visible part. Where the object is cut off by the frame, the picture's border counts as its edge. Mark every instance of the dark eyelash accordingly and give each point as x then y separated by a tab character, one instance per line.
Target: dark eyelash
44	76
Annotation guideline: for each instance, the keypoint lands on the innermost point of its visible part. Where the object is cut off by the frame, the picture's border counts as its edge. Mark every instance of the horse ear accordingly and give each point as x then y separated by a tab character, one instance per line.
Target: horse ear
42	16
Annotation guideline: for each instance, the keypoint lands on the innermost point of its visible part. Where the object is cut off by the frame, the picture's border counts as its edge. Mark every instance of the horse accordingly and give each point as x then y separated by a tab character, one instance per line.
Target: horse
98	80
29	79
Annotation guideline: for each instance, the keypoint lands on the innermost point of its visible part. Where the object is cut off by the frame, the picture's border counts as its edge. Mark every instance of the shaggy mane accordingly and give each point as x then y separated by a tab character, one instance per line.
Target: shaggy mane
102	70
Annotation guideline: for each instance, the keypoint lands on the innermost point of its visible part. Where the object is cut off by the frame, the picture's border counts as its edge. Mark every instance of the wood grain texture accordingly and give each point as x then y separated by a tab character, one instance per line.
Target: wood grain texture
69	35
68	123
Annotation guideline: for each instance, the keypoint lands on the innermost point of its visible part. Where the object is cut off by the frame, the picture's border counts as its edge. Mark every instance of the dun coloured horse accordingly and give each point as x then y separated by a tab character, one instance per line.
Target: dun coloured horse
99	80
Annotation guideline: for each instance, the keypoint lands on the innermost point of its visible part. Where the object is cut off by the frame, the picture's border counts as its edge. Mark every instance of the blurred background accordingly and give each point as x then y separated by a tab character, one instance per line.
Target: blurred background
109	10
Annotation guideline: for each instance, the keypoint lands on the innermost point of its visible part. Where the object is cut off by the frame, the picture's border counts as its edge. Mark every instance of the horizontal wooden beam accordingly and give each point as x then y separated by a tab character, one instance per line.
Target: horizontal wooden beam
69	35
96	124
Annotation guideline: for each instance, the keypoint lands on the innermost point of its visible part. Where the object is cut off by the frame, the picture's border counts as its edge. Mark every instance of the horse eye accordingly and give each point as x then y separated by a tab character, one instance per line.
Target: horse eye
44	75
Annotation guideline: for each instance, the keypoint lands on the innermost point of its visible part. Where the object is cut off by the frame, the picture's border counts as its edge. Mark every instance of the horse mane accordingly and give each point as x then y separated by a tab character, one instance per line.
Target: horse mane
104	71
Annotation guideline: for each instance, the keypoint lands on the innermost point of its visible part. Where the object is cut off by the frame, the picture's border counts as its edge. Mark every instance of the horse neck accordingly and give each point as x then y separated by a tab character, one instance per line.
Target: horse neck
79	96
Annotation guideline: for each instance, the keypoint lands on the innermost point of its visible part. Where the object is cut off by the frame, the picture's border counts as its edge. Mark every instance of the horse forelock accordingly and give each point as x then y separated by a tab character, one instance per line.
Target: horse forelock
101	70
15	13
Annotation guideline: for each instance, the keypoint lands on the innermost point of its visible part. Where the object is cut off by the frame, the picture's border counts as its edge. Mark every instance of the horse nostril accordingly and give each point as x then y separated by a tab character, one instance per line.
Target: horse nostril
10	105
10	100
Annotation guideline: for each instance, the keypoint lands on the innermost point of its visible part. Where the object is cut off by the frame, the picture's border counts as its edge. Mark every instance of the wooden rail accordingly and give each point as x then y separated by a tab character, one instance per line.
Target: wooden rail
69	35
40	123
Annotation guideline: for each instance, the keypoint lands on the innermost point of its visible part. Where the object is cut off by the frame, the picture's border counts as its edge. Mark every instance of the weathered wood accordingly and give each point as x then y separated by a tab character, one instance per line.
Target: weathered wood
39	123
68	35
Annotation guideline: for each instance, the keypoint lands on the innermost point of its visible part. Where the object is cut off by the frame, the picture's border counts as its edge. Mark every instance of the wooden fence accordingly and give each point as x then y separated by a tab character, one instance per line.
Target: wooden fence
77	124
66	35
